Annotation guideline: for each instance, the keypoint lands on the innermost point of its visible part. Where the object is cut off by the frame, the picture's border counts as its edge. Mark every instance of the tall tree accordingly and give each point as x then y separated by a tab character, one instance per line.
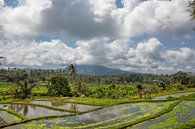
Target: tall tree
181	78
2	60
192	8
25	84
59	86
71	70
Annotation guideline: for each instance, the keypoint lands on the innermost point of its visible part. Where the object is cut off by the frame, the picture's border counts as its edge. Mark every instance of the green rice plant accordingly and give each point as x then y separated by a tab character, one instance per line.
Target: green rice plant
182	113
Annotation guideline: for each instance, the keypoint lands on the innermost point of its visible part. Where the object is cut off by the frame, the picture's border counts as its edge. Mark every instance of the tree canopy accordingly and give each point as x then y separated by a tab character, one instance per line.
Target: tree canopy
192	8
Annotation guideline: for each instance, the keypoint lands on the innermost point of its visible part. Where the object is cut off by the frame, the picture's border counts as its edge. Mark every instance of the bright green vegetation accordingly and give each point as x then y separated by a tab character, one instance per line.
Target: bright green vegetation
106	117
57	100
40	90
181	114
187	125
117	116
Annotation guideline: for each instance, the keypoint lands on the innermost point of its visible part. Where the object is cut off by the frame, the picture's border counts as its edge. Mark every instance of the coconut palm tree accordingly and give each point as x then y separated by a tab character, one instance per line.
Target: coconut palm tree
192	8
71	70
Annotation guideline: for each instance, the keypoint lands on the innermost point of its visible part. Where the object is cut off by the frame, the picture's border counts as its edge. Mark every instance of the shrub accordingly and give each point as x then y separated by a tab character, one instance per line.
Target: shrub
179	87
59	86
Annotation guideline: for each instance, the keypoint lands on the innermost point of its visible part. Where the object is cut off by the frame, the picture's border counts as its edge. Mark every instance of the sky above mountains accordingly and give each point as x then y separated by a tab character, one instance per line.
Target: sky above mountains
153	36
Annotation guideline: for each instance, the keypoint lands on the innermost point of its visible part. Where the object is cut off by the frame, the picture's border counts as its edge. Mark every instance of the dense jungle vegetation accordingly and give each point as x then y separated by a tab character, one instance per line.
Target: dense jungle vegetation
36	82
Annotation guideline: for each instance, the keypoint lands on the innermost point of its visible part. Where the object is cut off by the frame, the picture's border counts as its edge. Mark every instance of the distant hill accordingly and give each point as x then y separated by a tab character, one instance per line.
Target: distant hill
98	70
87	69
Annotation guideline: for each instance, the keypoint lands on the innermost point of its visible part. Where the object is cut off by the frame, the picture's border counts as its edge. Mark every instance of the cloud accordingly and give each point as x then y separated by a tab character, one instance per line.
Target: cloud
1	3
83	19
21	22
183	55
37	54
157	17
88	19
148	56
102	32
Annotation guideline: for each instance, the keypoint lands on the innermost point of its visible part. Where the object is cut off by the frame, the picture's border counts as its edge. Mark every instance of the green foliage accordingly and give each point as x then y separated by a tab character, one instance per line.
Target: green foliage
189	125
59	86
111	91
179	87
79	89
192	8
5	88
40	90
162	85
181	78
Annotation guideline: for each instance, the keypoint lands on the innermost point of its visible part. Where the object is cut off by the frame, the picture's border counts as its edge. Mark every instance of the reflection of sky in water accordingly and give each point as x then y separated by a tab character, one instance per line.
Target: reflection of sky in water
8	118
181	114
128	111
172	95
102	117
31	111
67	106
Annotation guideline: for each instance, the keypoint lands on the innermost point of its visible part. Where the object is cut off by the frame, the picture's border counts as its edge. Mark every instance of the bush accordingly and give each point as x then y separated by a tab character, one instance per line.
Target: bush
80	89
59	86
179	87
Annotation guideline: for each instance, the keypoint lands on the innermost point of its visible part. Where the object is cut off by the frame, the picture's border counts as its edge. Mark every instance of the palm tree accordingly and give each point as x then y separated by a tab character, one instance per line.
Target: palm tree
2	60
192	8
71	70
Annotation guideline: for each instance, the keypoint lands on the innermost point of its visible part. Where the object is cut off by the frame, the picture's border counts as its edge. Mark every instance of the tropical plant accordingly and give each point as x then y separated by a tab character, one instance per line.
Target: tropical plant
192	8
59	86
24	86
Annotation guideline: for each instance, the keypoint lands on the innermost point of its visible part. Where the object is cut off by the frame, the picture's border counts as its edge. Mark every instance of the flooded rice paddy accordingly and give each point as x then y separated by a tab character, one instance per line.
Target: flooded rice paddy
102	118
105	118
8	118
172	95
181	114
67	106
31	111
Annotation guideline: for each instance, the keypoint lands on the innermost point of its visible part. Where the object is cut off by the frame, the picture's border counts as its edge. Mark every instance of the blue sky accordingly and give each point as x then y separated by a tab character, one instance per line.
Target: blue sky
134	35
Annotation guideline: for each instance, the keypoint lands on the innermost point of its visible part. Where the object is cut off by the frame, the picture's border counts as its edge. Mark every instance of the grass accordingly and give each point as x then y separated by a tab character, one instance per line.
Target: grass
131	123
134	115
189	125
29	120
182	113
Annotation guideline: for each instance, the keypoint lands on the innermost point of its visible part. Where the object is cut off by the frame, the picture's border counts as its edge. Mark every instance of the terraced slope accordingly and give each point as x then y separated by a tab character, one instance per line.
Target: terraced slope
182	113
157	114
8	118
103	118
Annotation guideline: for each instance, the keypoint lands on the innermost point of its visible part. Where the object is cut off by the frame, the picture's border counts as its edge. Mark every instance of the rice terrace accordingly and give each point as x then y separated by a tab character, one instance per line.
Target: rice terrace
97	64
94	106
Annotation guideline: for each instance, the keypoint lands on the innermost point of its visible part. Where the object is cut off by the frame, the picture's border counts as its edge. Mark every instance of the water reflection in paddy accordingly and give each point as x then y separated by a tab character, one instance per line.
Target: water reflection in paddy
182	113
7	118
31	111
172	95
100	118
67	106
